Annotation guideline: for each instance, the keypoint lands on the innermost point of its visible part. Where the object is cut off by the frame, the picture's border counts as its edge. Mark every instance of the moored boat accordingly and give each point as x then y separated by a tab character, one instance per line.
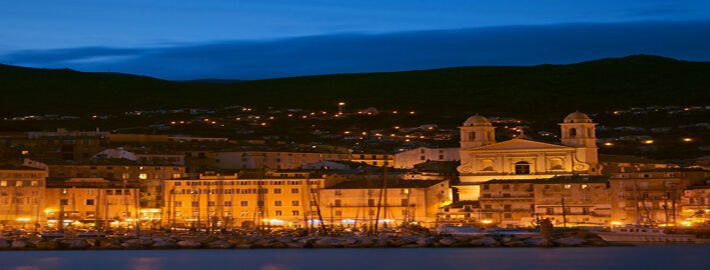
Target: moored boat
636	234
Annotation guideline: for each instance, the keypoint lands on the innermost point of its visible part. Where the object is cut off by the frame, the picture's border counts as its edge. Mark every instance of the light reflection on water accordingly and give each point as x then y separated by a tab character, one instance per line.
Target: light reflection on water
611	258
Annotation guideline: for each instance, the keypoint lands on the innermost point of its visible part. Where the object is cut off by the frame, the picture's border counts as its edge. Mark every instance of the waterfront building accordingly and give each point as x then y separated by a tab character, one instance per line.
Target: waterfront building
407	159
21	197
483	159
507	203
246	199
356	203
573	201
652	197
695	203
149	176
91	202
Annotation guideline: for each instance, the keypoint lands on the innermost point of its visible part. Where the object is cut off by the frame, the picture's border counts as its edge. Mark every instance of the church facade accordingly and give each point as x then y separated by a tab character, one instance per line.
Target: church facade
483	159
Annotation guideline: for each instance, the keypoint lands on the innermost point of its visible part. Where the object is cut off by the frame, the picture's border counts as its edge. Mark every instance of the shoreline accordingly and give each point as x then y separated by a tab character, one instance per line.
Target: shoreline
267	241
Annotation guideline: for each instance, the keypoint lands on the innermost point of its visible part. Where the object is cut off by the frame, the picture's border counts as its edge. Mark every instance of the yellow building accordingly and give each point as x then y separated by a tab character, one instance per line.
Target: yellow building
148	175
355	203
274	198
652	197
574	201
483	159
21	197
374	159
695	205
91	202
507	203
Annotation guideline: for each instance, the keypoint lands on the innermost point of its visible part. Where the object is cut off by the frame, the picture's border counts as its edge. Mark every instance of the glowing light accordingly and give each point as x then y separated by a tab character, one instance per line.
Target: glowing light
486	221
348	221
608	144
686	223
48	211
647	142
616	223
23	219
687	139
341	103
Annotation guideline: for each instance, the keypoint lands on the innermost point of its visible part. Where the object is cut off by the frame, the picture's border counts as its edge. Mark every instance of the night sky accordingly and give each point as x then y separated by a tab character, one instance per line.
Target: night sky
179	39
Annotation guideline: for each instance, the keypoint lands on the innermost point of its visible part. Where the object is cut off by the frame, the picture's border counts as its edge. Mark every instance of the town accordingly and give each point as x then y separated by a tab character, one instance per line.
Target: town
351	169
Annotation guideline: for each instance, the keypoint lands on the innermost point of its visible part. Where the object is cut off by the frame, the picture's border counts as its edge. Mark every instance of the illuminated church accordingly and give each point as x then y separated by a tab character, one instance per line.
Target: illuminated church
483	159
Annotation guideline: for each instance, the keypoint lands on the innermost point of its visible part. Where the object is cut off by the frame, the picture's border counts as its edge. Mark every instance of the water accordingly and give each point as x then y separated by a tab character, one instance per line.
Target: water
609	258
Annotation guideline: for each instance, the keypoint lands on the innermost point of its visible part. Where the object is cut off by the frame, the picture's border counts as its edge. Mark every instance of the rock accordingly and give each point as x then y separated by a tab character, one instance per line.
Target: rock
244	246
165	244
485	242
220	244
50	245
327	242
74	243
4	243
164	239
137	243
425	242
189	244
296	244
515	243
569	241
448	241
539	242
19	244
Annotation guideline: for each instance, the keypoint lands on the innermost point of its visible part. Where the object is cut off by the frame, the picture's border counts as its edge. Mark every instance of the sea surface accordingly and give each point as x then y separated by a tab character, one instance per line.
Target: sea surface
605	258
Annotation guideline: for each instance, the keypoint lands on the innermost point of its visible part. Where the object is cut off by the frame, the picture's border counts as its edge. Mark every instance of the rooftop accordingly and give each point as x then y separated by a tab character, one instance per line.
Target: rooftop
376	184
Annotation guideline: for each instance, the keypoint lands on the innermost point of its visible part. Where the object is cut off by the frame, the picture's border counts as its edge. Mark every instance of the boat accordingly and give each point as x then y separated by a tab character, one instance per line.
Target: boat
460	231
639	234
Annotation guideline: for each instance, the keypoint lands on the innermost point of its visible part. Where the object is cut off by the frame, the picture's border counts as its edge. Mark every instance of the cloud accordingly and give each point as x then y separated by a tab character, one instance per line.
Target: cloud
357	52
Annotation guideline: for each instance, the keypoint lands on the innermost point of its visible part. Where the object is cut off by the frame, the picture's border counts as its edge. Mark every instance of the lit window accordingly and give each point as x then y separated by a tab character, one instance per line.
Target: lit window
143	176
567	186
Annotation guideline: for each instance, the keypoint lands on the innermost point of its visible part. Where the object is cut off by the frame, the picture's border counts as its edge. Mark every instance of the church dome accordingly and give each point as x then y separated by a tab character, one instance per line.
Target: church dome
477	120
577	117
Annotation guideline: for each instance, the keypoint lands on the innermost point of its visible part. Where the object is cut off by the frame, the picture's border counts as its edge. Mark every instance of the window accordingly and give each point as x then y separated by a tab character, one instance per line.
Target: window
556	164
277	191
3	183
506	187
64	202
143	176
338	203
572	132
550	211
279	213
295	203
295	212
338	193
522	167
90	202
338	213
178	204
585	210
195	204
34	183
585	186
508	215
244	203
211	203
472	135
567	186
405	202
277	203
370	202
227	203
294	190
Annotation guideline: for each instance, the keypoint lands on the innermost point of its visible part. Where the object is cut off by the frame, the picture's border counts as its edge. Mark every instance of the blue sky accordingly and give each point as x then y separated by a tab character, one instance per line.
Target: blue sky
178	39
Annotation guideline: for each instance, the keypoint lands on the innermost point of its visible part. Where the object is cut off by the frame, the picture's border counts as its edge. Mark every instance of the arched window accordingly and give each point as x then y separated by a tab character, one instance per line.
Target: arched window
472	135
573	132
555	164
522	167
